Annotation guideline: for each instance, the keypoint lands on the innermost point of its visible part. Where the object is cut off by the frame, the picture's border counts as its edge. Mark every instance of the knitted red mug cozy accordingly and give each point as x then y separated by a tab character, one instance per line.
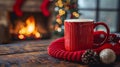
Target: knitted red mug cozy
79	34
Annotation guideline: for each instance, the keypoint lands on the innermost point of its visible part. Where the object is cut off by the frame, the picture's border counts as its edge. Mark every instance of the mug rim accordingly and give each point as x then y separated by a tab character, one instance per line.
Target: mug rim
79	20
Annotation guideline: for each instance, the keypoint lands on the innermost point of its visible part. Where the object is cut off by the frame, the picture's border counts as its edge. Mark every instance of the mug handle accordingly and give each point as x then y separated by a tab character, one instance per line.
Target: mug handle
107	29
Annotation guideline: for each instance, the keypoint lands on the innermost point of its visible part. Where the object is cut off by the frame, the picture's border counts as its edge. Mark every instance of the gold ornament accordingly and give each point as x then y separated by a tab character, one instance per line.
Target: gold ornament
58	20
60	4
61	12
75	14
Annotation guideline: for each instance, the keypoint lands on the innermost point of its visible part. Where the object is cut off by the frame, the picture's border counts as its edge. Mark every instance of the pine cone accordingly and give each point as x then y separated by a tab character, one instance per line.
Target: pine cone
90	57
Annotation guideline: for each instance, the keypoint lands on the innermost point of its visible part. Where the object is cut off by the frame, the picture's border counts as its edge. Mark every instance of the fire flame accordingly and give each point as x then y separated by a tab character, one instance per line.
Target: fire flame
29	29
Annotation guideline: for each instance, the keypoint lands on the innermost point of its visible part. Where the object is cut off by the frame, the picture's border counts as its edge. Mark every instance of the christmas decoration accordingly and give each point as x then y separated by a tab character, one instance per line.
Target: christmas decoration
64	9
116	49
57	50
44	8
107	52
115	37
90	57
107	56
99	36
100	48
18	4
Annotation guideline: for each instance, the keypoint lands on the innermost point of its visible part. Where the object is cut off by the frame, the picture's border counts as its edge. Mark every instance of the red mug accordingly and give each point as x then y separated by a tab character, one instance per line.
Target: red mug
79	34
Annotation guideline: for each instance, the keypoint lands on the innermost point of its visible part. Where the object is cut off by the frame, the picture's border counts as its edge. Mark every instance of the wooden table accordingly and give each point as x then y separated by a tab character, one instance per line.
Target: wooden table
34	54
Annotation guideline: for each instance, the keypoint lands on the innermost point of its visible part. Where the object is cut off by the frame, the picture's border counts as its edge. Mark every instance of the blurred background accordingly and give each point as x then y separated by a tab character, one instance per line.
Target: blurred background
43	19
102	10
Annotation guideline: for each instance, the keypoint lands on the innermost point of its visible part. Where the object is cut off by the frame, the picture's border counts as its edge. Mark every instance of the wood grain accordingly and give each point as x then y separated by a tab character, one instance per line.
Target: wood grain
34	54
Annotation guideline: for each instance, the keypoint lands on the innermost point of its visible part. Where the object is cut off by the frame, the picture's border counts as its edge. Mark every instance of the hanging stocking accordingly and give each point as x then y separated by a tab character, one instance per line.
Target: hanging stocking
17	6
44	8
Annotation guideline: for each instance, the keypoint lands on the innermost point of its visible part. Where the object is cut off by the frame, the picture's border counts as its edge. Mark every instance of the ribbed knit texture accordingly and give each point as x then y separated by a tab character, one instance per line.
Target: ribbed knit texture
78	36
57	50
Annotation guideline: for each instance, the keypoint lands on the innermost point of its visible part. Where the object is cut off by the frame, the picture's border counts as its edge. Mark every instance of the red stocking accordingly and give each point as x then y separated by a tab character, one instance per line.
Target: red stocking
44	8
17	6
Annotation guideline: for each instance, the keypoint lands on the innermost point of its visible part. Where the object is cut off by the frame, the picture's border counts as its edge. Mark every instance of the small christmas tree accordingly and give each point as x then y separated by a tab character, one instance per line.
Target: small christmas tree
64	9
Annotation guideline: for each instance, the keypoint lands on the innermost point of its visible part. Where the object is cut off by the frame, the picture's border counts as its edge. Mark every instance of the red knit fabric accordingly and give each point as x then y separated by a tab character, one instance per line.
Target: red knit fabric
57	50
76	34
97	36
116	48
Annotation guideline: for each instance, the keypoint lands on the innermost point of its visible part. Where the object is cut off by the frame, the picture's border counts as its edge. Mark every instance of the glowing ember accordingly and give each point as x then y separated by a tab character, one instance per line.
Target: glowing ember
37	35
21	36
29	29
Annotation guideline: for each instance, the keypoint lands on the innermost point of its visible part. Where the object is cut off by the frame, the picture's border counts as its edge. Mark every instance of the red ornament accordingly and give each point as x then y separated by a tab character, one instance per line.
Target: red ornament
58	16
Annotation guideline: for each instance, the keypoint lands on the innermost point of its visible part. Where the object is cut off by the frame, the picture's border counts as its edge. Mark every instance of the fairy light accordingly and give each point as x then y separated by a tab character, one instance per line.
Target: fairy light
60	4
75	14
37	35
61	12
59	29
62	9
56	8
56	27
59	21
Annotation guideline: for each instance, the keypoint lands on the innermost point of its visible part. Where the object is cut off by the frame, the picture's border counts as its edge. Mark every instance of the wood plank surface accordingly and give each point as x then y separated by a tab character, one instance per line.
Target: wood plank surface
34	54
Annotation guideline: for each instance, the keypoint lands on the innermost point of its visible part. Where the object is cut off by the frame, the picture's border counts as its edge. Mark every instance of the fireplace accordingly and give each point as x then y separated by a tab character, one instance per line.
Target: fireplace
31	26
